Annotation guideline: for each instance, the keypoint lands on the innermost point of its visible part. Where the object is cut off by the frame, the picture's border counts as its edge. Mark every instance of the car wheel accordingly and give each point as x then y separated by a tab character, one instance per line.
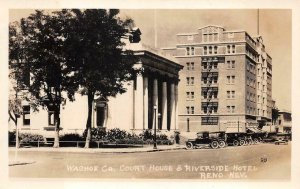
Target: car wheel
189	145
222	144
250	142
214	144
255	141
242	143
235	143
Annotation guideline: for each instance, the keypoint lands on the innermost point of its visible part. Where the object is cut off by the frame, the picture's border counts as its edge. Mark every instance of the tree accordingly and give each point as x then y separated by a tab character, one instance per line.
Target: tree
16	55
95	52
44	42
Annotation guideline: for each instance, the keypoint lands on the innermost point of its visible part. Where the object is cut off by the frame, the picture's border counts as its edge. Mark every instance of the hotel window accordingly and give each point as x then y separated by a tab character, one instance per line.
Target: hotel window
233	48
192	80
216	94
263	100
232	94
26	115
232	79
263	87
210	49
258	111
205	110
192	66
215	65
215	79
232	64
232	109
228	109
188	51
188	110
205	50
228	94
209	120
192	51
228	79
228	64
187	95
192	96
187	80
258	83
204	65
215	49
192	110
258	71
188	66
215	108
205	94
228	49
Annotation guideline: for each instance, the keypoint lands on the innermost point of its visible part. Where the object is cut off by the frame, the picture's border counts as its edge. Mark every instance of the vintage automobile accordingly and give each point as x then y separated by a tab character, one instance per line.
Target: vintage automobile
205	139
236	138
278	138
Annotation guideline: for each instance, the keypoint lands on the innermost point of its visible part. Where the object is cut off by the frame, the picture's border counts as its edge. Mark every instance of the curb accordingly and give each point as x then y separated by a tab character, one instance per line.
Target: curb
82	150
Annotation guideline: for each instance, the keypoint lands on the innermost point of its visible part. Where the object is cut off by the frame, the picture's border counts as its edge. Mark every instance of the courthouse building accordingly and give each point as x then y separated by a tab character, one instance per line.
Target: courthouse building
226	81
153	94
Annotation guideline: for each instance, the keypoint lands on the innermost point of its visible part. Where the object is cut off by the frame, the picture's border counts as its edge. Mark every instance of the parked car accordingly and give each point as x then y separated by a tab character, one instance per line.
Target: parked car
206	139
236	139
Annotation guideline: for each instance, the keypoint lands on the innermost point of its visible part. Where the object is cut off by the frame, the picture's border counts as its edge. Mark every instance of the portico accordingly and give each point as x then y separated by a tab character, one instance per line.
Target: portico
155	84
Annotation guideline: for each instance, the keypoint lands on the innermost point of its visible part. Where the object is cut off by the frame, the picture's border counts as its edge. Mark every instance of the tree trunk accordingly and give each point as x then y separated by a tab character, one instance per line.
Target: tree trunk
57	127
17	133
89	119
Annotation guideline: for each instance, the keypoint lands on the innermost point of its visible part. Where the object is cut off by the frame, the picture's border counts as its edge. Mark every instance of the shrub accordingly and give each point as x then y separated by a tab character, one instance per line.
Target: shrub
28	137
11	136
146	135
116	133
97	134
71	137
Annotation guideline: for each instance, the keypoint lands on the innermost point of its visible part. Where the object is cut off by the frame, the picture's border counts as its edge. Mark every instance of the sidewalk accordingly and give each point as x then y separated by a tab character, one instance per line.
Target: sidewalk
148	148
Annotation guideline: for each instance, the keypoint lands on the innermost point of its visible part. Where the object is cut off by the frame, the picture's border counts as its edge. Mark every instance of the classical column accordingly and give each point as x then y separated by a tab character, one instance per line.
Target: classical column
138	102
176	105
164	115
145	126
155	102
172	106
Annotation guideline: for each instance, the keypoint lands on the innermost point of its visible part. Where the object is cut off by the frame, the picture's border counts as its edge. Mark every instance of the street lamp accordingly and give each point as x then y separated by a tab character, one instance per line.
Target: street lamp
155	145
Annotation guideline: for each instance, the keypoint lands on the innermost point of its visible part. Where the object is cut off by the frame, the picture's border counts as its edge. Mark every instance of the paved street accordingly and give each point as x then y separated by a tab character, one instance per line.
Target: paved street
262	161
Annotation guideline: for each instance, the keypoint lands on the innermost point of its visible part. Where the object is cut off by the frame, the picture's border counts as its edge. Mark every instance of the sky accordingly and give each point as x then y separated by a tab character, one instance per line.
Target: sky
275	26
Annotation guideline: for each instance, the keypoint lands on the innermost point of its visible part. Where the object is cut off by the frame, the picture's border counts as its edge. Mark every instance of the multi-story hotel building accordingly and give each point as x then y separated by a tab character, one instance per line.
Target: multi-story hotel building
226	81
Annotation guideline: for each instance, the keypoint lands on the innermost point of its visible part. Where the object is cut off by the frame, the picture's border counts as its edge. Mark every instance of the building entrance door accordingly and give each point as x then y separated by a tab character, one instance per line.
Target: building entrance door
100	116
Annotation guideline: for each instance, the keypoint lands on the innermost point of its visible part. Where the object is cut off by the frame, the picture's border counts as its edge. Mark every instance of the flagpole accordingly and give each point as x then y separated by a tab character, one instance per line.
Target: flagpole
155	29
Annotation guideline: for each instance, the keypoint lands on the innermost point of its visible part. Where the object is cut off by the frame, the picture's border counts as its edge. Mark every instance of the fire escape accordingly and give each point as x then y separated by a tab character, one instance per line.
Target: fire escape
210	88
